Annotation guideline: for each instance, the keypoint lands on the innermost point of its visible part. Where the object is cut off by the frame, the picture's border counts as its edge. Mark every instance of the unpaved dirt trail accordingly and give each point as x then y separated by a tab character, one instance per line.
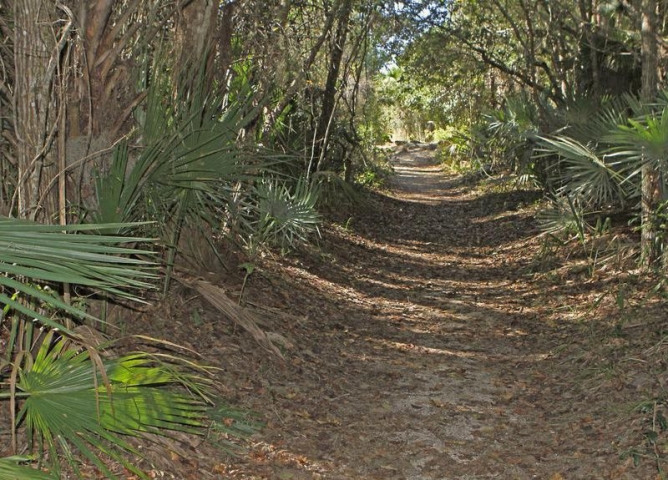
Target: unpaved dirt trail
434	386
420	350
417	368
455	326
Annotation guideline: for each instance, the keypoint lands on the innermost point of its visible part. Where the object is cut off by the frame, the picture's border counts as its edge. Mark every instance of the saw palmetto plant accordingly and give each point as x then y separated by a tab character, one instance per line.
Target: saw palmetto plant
601	162
195	173
584	172
74	403
191	171
66	398
510	131
283	215
601	157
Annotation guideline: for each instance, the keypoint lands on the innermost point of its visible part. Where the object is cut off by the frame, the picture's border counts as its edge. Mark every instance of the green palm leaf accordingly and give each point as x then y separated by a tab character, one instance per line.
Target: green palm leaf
43	253
70	399
585	174
13	468
286	216
642	141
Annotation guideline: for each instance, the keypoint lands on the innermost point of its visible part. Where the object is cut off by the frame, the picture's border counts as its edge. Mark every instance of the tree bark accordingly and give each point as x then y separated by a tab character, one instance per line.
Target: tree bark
651	184
329	94
195	32
591	42
36	56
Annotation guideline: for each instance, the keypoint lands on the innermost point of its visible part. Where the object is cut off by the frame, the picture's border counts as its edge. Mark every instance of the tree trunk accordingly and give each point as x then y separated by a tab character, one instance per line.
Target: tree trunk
224	37
195	35
301	75
587	13
36	58
329	95
651	185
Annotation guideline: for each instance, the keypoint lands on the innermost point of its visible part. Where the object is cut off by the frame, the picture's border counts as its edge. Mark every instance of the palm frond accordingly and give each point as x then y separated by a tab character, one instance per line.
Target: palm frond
585	174
562	217
36	253
70	399
642	141
17	468
228	425
589	120
509	131
286	216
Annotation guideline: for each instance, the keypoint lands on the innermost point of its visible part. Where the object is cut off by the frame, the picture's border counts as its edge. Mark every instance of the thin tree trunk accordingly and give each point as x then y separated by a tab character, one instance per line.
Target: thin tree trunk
329	95
651	186
587	14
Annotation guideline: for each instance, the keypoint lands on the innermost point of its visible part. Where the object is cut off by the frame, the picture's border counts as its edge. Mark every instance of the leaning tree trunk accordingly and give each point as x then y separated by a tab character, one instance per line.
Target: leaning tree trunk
651	184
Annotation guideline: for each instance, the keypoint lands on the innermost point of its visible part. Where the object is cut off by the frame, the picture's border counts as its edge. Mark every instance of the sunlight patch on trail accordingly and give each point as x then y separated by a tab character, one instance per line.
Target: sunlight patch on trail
409	347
